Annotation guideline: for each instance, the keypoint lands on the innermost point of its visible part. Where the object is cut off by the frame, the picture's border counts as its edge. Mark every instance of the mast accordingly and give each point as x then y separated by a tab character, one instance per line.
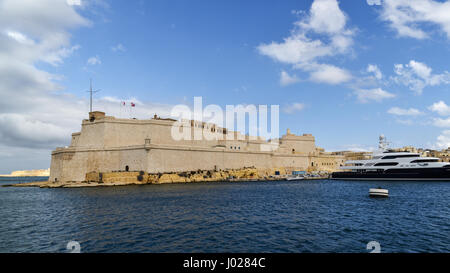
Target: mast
90	93
383	144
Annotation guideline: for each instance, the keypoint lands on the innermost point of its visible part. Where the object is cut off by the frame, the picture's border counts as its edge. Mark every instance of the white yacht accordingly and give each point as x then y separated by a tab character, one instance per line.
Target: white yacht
295	177
390	165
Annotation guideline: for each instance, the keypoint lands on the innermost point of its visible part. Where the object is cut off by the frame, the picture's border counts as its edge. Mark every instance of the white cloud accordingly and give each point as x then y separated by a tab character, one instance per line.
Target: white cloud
404	112
371	68
441	108
329	74
325	18
35	114
43	37
94	60
30	131
441	122
286	79
376	94
143	110
49	25
118	47
74	2
295	49
19	37
405	121
409	18
374	2
294	107
443	140
354	148
416	76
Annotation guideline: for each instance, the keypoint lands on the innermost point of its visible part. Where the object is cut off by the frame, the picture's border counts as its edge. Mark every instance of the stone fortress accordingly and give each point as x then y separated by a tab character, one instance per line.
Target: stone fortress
107	144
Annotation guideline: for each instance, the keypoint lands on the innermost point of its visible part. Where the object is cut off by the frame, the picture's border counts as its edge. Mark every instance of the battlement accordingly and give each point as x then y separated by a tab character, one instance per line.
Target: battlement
96	115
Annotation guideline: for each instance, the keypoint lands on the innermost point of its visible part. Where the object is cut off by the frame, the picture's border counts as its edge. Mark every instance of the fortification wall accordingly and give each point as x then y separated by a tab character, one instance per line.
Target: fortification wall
73	166
92	135
107	144
298	144
167	160
300	162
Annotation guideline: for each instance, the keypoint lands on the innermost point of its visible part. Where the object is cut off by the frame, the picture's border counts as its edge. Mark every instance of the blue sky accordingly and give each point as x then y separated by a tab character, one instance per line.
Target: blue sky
344	71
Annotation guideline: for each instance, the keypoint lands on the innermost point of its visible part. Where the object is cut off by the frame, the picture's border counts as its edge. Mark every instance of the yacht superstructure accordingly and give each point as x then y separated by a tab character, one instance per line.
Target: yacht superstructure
390	165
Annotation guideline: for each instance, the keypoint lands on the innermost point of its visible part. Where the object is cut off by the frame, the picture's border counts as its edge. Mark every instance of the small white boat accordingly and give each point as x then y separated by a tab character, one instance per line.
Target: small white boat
294	178
378	192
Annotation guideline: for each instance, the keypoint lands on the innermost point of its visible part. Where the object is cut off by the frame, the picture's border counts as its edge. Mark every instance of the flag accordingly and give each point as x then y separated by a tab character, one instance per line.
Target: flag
133	105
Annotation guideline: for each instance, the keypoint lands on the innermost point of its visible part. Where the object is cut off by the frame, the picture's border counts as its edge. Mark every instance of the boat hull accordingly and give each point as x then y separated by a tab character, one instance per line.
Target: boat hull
429	174
378	193
295	179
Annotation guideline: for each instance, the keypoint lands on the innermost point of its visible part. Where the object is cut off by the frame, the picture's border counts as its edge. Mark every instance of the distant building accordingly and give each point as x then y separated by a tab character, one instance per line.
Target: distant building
444	155
350	155
28	173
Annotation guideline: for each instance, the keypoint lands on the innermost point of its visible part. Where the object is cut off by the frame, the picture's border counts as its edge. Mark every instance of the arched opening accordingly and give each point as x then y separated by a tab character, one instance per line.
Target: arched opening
127	169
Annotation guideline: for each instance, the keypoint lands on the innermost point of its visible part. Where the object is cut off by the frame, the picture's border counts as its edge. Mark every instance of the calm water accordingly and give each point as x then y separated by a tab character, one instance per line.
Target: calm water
306	216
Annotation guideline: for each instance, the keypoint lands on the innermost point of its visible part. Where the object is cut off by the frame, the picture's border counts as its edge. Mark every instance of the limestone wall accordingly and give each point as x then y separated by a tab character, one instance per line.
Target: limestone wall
107	144
167	159
72	166
323	162
290	143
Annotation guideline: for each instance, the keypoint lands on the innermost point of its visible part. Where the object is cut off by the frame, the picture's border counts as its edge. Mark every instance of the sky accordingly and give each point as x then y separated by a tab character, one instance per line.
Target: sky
344	71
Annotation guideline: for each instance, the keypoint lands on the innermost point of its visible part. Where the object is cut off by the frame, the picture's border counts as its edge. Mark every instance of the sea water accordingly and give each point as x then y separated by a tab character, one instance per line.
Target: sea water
272	216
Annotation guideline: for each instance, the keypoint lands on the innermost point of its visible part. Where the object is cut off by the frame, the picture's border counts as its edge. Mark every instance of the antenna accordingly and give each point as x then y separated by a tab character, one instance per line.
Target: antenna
92	92
383	143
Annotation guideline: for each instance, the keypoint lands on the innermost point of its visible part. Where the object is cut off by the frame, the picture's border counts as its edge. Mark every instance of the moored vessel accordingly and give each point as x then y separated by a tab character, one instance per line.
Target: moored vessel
295	178
391	165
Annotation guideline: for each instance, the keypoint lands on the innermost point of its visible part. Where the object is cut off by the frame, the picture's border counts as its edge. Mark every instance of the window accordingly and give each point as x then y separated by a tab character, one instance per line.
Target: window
387	164
127	168
424	160
399	156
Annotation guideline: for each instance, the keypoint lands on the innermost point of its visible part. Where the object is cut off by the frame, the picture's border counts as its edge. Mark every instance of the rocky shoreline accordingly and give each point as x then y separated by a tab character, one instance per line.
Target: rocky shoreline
96	179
